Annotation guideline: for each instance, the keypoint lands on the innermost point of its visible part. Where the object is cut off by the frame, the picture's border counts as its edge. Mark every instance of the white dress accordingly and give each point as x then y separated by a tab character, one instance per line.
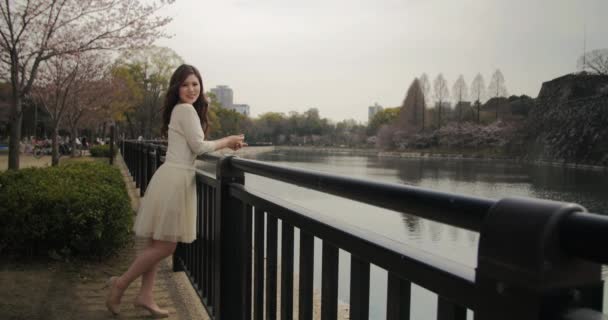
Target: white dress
168	209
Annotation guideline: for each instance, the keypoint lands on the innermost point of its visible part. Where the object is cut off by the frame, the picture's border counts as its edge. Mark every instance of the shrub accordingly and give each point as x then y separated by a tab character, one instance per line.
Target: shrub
102	151
80	209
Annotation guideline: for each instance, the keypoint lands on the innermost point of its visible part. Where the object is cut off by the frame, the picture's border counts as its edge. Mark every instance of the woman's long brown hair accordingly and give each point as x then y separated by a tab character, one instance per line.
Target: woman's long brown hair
172	98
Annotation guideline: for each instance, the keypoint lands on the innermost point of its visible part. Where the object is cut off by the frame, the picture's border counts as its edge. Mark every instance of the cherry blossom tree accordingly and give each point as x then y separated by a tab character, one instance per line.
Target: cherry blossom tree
35	31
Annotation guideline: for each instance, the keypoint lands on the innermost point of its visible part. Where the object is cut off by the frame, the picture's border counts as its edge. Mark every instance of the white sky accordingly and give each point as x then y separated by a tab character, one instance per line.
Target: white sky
341	56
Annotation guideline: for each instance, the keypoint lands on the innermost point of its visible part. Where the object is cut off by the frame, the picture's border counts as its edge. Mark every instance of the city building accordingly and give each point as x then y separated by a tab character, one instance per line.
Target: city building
373	110
241	108
224	95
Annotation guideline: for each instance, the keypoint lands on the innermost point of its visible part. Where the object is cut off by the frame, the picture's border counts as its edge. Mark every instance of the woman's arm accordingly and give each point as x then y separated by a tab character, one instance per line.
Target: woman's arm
191	125
232	142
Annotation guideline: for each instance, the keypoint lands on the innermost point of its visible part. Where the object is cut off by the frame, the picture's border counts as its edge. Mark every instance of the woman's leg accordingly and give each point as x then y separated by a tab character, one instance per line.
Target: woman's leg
145	261
145	295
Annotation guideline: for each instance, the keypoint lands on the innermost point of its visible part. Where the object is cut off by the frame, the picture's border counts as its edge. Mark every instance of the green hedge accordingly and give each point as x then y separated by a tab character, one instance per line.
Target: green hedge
101	151
80	209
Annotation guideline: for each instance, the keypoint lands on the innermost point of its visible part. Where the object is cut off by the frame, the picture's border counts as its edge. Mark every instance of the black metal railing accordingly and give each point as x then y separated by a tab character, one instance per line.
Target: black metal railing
537	259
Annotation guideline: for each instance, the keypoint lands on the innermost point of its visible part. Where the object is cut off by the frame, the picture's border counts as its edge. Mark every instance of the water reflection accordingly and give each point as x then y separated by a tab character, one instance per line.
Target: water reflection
497	179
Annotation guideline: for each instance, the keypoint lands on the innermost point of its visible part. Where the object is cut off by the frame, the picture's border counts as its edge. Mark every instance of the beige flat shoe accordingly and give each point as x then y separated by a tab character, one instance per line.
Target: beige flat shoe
154	313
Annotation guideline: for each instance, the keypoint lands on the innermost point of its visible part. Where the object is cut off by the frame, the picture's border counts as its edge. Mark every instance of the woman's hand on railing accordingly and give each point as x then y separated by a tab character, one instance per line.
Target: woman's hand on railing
235	142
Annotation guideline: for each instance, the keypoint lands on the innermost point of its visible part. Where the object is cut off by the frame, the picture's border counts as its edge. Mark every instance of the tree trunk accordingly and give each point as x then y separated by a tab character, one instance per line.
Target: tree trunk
423	112
16	121
459	111
439	115
36	121
55	155
103	131
130	123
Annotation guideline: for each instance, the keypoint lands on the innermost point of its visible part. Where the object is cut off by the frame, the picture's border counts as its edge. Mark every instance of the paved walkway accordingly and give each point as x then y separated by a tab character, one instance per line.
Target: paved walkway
173	291
59	290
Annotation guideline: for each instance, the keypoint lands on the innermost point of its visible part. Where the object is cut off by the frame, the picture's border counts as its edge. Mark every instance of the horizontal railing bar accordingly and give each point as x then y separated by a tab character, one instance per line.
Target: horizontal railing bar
583	314
440	275
149	141
461	211
206	178
576	230
582	233
209	157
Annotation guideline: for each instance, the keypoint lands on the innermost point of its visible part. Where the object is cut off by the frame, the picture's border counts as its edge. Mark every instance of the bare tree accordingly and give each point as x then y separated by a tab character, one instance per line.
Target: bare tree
595	61
425	85
66	86
90	94
460	91
52	90
497	87
440	86
412	110
478	92
34	31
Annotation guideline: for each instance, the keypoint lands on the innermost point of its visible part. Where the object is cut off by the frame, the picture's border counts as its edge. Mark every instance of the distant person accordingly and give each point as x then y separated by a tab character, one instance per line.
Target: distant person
85	144
167	213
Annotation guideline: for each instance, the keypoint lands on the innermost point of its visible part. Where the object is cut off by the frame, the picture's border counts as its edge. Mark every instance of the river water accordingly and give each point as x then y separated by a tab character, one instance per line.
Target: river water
490	179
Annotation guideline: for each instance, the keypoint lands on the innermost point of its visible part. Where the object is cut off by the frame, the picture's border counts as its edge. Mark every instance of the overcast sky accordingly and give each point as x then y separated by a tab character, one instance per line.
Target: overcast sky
341	56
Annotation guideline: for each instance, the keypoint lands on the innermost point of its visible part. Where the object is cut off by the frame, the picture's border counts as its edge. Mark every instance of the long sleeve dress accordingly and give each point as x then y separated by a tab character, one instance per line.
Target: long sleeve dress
168	209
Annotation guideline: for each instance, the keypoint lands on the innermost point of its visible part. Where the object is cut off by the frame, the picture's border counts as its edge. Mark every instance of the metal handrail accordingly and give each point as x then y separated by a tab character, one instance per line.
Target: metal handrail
578	231
433	272
461	211
529	255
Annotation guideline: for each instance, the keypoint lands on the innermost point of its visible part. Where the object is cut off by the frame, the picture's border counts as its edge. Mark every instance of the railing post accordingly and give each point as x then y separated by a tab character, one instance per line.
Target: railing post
157	157
144	170
112	131
522	273
139	151
229	225
129	153
151	163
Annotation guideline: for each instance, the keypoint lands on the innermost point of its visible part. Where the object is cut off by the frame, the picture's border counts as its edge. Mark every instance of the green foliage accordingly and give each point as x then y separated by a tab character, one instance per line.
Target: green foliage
144	74
80	209
386	116
101	151
229	122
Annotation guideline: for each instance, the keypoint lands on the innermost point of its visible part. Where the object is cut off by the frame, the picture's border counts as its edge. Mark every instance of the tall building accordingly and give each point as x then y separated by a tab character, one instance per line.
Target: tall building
224	95
241	108
373	110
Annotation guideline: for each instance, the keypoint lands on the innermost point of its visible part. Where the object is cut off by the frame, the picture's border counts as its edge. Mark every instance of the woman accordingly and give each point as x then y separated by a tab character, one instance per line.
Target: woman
167	213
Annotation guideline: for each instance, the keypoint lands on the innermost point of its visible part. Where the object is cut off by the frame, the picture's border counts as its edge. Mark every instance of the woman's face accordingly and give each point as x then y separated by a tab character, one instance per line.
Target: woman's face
189	90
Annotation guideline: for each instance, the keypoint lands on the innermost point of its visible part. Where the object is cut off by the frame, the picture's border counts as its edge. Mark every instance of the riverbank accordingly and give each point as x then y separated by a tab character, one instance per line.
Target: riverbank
483	156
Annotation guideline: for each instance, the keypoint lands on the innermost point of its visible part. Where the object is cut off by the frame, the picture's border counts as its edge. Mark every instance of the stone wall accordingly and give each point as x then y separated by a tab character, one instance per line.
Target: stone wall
570	121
